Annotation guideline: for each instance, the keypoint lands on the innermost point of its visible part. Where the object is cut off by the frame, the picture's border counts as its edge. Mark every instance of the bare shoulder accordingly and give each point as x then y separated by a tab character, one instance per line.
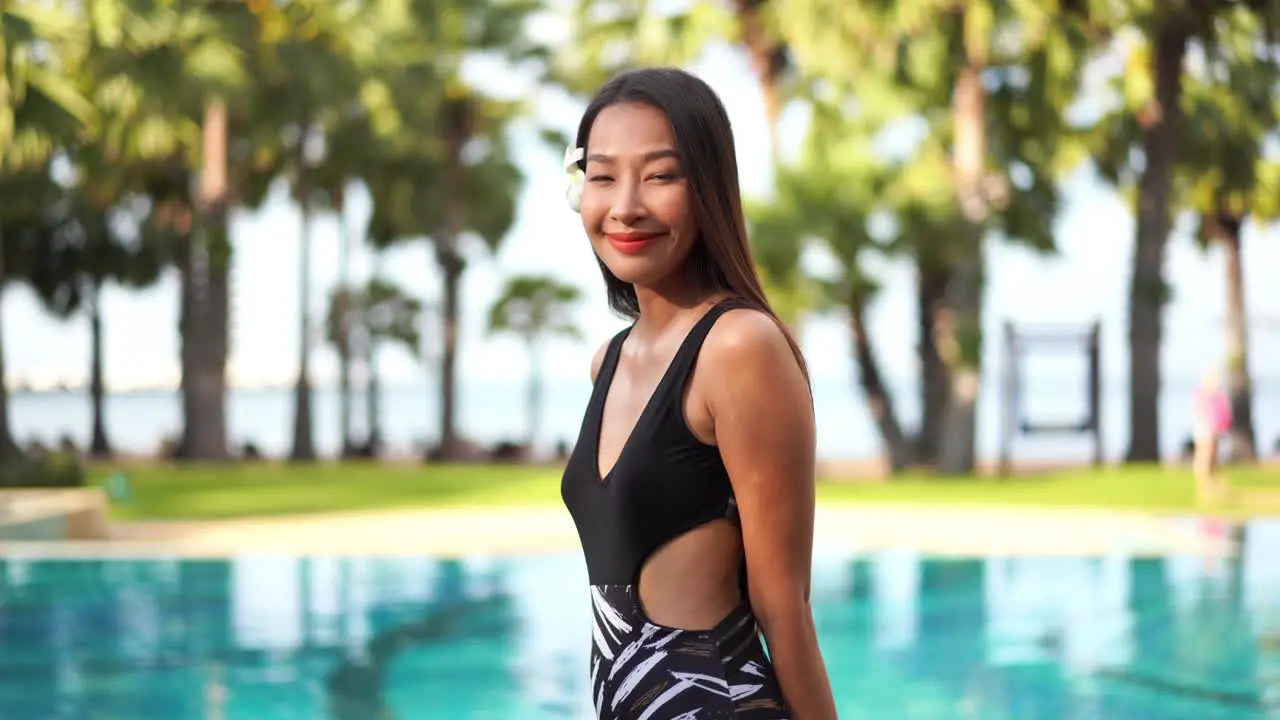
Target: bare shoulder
758	400
747	341
598	359
749	366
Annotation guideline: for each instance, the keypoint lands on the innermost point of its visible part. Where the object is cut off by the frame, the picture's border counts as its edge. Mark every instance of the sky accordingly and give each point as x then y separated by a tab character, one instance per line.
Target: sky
1087	281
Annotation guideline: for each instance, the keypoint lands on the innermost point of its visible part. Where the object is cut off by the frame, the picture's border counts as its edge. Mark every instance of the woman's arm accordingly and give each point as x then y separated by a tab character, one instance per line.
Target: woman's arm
597	360
764	426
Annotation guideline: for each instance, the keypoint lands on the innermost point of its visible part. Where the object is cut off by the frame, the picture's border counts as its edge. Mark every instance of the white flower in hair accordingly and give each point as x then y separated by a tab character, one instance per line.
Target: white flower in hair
572	156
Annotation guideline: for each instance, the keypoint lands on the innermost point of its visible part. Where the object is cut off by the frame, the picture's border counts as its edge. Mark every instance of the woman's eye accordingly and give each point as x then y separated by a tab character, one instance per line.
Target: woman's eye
599	178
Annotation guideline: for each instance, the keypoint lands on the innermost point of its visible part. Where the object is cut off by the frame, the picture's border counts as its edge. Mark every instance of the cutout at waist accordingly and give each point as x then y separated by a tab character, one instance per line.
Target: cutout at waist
694	579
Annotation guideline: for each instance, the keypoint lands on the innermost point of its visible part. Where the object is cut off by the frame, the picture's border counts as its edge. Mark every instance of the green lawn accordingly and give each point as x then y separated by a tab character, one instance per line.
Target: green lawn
1142	488
162	491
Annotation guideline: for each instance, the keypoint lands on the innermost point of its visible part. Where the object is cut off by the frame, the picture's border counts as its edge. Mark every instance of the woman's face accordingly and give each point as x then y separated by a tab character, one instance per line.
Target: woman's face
635	204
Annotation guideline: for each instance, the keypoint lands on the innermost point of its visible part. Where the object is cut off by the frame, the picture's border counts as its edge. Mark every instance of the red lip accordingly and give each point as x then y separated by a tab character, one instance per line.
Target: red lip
631	243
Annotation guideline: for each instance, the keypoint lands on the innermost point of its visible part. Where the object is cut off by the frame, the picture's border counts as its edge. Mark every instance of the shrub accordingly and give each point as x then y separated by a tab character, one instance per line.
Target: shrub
49	469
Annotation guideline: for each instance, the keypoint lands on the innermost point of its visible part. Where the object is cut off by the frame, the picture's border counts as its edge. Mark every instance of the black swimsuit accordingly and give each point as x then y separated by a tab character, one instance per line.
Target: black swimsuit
665	483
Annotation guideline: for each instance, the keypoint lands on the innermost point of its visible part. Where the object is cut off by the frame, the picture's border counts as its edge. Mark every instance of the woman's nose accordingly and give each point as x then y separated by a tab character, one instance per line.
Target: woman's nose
627	204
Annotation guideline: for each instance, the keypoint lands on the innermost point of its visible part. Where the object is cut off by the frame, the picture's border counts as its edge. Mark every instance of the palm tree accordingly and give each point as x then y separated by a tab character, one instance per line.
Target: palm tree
535	308
828	198
466	193
99	222
1201	127
40	108
86	251
311	84
181	72
451	181
339	331
346	159
24	196
1226	177
362	320
1161	124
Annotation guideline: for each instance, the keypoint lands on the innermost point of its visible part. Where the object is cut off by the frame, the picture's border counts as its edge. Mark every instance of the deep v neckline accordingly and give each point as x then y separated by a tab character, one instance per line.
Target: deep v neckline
601	477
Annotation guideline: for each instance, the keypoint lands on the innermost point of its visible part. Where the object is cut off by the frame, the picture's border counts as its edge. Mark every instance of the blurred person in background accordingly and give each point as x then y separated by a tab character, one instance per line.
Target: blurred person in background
1212	412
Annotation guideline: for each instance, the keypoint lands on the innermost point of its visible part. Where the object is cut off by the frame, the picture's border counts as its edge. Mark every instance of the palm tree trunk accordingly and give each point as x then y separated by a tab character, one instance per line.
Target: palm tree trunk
451	269
963	324
534	408
8	448
935	383
192	346
1239	383
303	442
205	301
204	321
767	62
373	397
451	265
344	360
1147	291
458	125
893	442
372	386
99	446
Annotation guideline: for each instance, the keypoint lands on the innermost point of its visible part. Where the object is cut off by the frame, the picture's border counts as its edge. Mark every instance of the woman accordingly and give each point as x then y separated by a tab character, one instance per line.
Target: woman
1212	411
691	483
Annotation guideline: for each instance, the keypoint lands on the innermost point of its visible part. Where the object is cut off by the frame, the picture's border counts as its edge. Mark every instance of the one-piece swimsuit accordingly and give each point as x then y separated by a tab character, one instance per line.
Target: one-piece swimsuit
665	483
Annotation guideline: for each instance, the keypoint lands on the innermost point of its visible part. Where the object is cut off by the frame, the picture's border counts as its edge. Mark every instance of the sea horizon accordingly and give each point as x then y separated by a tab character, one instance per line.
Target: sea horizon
492	411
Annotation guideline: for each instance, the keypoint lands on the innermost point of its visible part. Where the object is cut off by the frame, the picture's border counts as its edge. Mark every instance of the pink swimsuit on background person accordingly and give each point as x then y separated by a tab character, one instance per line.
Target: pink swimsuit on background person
1213	412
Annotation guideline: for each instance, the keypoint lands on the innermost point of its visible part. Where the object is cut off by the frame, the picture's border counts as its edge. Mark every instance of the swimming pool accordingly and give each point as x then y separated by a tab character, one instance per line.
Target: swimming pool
285	638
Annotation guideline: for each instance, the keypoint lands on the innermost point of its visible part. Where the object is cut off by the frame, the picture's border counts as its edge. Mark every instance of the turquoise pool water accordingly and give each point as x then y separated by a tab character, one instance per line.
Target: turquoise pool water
905	636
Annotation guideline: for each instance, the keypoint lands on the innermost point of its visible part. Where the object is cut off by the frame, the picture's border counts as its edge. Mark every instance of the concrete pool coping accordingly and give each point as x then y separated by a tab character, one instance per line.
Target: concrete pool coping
40	514
941	531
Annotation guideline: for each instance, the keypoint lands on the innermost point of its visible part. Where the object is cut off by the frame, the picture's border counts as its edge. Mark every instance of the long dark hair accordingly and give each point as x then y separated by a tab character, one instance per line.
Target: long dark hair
721	256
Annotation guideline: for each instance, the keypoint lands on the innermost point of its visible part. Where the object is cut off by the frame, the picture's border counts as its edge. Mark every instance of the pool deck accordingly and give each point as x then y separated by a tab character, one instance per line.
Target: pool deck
953	531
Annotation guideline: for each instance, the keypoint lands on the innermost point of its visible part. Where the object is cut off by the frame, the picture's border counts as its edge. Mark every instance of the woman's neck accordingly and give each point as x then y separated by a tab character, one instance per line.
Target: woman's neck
661	307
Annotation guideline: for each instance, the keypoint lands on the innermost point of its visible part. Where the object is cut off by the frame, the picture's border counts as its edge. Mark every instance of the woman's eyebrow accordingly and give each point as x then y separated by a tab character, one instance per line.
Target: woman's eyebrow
648	157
